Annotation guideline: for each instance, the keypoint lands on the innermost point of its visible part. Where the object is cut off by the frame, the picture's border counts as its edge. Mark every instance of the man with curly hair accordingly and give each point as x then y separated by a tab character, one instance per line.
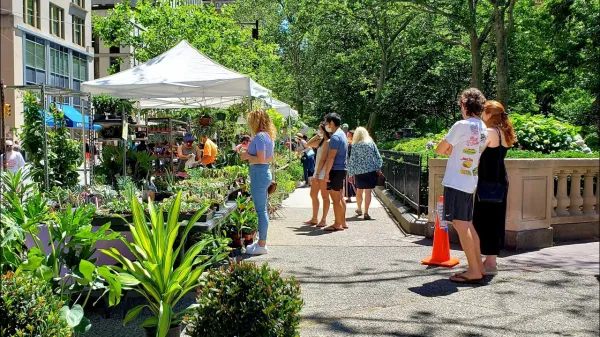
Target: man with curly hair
464	144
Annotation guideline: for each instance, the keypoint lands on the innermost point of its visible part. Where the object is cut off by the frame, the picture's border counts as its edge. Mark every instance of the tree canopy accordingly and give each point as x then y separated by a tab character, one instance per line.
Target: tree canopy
391	64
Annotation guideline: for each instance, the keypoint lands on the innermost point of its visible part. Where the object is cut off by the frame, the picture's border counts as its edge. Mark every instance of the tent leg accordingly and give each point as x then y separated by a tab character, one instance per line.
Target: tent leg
44	109
83	108
124	123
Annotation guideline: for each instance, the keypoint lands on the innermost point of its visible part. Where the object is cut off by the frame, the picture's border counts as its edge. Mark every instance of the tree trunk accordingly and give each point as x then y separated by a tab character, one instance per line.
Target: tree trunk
372	124
502	69
476	61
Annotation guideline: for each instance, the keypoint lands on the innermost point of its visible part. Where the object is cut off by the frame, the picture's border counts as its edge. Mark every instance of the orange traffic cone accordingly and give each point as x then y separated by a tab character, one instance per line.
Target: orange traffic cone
440	255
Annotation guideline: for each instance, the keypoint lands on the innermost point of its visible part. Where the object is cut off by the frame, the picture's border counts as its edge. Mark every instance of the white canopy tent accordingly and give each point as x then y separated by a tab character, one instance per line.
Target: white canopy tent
283	108
182	77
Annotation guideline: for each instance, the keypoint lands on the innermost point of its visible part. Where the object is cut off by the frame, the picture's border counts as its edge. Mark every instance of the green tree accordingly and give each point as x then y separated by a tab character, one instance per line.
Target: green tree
217	35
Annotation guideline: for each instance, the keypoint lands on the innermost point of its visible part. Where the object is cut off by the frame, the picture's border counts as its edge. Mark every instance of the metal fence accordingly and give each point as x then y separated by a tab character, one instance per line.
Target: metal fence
405	172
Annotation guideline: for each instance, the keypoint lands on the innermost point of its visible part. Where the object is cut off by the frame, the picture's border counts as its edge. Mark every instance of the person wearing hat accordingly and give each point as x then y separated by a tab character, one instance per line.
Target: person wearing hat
186	151
209	153
11	160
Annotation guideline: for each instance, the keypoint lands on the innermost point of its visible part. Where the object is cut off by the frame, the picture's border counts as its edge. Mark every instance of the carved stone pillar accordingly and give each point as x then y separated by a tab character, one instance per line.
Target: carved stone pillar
588	193
562	198
575	195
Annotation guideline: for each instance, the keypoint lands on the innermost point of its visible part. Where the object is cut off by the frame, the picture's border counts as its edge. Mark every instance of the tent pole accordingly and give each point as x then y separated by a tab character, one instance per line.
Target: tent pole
83	108
91	139
44	107
124	141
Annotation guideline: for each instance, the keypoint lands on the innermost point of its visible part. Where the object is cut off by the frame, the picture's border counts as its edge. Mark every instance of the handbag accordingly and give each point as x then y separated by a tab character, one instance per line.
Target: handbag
272	187
492	192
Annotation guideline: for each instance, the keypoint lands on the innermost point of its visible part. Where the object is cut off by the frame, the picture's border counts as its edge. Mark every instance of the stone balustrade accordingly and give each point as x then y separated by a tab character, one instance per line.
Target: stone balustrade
549	200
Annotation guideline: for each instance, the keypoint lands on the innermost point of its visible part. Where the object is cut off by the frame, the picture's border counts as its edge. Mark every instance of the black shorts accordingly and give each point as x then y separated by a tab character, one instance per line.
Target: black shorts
336	179
458	205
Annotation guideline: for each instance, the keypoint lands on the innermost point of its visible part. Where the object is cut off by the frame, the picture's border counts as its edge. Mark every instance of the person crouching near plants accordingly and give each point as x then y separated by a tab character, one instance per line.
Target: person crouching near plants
259	155
464	143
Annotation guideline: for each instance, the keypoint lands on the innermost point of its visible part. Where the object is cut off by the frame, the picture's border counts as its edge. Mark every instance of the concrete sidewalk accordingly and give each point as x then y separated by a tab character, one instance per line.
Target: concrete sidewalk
368	281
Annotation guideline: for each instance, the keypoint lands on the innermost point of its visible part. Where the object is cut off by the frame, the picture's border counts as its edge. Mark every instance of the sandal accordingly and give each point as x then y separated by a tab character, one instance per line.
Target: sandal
333	229
368	217
309	222
462	279
321	224
358	212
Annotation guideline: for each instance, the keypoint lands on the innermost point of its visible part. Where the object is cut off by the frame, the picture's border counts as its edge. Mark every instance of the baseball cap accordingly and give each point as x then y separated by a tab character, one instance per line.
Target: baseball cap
8	143
188	137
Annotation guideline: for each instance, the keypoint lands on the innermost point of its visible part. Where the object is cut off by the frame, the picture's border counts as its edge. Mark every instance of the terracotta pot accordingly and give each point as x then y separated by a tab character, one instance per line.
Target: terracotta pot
248	238
205	120
238	243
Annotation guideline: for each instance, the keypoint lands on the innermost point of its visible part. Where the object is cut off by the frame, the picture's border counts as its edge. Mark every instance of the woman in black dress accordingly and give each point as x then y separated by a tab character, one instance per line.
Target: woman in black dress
489	218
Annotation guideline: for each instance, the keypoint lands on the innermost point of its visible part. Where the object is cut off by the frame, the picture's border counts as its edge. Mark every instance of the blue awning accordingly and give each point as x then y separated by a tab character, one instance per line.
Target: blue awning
73	118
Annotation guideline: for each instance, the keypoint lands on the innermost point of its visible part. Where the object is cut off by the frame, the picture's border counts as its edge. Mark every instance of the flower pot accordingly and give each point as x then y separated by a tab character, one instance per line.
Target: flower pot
174	331
248	239
205	120
237	241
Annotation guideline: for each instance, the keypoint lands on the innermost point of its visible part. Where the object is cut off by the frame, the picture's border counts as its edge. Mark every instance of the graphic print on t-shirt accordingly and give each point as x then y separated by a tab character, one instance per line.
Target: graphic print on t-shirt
468	139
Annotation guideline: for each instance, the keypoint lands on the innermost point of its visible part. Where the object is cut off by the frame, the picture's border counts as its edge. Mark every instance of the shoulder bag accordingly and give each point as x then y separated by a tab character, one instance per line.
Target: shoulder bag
492	192
381	179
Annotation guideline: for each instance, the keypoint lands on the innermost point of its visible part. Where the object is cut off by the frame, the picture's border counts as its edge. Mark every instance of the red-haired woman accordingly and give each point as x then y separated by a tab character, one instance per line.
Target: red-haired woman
489	217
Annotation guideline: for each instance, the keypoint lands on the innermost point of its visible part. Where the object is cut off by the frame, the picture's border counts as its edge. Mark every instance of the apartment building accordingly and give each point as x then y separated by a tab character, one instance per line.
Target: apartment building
47	42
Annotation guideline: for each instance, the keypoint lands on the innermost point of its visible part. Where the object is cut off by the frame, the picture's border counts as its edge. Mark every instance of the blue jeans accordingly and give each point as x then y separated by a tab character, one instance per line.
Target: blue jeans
260	179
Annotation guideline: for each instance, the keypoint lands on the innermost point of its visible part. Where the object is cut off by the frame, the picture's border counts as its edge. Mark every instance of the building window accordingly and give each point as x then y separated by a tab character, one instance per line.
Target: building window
57	21
80	75
35	60
114	50
96	44
31	9
78	31
96	67
80	3
59	66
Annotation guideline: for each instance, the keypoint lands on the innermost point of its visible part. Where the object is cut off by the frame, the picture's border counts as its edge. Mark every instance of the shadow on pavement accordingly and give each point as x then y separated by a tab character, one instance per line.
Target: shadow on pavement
444	287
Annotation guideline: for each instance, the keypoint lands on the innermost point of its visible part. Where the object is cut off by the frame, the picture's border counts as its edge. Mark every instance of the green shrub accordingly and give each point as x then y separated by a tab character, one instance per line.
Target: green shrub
29	308
514	153
593	141
246	300
546	134
296	171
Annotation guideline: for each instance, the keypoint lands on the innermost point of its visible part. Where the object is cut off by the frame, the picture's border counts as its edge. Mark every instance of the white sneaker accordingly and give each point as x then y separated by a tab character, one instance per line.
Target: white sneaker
255	249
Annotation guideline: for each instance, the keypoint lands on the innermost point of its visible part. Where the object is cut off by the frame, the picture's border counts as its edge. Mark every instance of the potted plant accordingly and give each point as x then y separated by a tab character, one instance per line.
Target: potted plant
205	120
154	274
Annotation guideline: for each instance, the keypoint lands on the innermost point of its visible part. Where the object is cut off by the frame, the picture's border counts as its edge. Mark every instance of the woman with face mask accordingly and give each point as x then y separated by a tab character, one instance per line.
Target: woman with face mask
318	184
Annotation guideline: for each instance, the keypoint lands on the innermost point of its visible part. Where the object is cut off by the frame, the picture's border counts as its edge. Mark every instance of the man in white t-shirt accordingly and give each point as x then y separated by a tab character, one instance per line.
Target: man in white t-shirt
11	160
464	144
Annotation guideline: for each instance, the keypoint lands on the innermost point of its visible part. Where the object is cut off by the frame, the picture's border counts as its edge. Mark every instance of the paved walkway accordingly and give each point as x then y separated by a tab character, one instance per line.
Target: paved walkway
367	281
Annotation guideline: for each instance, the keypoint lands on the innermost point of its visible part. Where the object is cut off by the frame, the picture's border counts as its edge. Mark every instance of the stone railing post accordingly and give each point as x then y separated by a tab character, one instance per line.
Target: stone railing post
562	198
598	194
554	200
575	195
588	193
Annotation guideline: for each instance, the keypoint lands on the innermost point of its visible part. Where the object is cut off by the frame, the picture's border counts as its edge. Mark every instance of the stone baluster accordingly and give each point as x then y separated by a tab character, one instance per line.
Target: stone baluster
588	193
575	195
598	193
562	198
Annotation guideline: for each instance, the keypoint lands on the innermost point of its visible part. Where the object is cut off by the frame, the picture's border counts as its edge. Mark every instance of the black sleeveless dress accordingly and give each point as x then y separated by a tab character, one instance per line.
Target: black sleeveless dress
489	219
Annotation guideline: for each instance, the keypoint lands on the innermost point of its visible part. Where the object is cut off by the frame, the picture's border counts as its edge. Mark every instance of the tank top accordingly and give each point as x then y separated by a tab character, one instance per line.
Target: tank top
185	151
489	165
319	155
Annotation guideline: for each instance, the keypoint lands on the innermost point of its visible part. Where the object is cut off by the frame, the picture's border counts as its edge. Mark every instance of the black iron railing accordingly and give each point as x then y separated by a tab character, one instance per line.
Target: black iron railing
405	172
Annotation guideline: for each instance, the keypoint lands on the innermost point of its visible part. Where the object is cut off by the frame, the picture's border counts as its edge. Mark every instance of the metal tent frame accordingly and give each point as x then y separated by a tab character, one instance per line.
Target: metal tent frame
47	90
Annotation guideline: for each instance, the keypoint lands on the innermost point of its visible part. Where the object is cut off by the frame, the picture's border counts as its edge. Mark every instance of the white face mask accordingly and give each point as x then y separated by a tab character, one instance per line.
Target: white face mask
328	128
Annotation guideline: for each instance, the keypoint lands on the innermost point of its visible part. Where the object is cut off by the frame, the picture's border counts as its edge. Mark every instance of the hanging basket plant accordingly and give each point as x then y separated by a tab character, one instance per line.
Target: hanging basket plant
205	120
221	116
